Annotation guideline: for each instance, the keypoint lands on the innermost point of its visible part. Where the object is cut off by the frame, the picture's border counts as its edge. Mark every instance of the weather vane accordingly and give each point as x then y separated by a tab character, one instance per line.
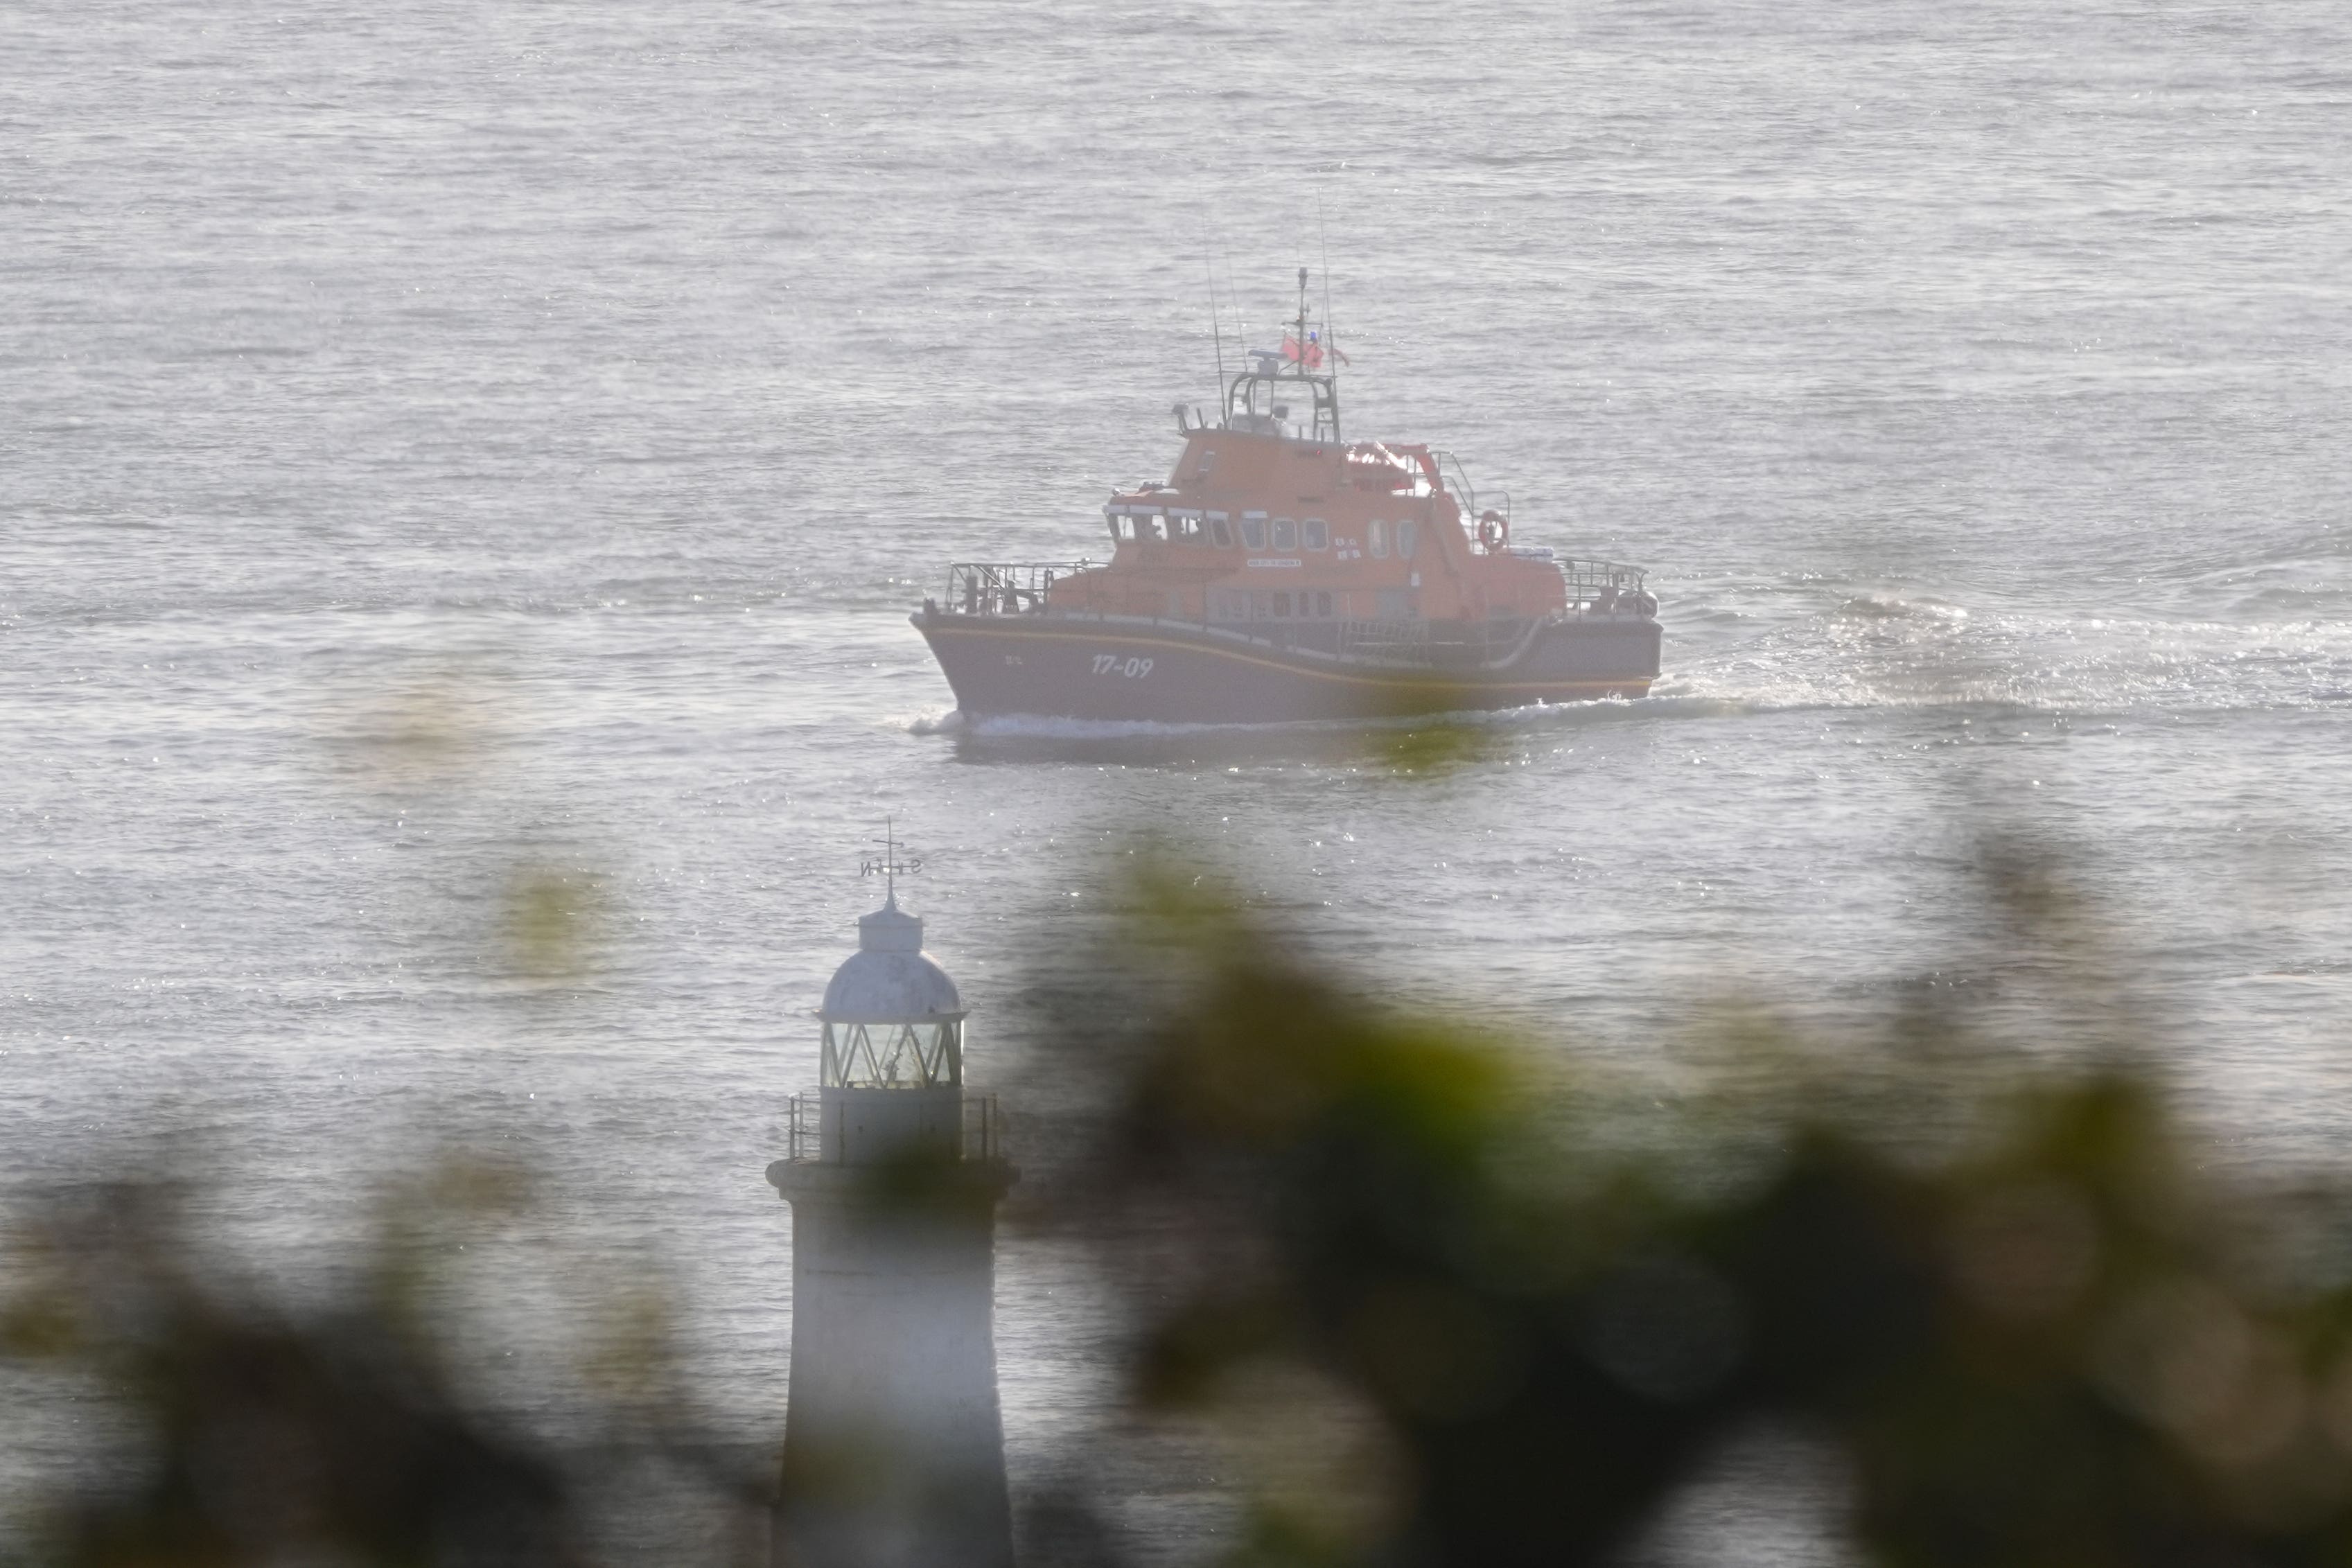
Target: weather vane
889	863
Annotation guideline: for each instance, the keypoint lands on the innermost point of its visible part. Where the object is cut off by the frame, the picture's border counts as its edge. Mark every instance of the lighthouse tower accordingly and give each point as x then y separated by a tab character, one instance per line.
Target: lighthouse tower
894	1445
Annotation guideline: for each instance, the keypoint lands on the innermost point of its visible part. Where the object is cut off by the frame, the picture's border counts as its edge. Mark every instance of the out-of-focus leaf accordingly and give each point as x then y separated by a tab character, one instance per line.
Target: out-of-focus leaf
2008	1287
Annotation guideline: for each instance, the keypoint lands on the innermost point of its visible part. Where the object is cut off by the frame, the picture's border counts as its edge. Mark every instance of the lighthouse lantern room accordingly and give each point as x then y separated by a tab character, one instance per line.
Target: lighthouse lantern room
892	1018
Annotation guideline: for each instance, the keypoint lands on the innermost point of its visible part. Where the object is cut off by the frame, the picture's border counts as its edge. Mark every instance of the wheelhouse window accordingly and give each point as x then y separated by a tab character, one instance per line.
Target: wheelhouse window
1315	534
1282	604
1377	535
1185	528
1408	539
1323	605
1253	529
1286	534
1148	528
1220	530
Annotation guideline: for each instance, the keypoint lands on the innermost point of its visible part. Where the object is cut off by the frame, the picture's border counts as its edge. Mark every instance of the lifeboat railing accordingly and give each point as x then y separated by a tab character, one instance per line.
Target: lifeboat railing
1591	588
1457	480
1598	585
1015	588
1397	642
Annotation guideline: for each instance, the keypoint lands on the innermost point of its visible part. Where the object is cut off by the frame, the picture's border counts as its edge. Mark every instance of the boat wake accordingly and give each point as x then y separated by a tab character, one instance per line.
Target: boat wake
1889	651
1860	651
1013	730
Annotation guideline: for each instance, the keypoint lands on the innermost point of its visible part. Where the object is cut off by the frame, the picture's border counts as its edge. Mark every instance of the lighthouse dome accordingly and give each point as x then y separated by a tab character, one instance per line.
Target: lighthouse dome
890	979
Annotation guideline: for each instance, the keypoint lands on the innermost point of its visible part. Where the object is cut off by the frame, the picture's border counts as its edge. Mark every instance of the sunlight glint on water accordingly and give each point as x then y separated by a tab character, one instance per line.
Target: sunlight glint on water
1970	378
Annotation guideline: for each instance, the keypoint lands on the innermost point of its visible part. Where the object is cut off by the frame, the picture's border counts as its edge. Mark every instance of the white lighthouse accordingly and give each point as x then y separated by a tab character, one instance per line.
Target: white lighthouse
894	1445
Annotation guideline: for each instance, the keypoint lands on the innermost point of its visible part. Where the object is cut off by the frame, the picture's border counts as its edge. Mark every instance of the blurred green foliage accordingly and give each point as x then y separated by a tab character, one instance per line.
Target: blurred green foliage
252	1434
228	1418
2013	1293
552	920
1454	1305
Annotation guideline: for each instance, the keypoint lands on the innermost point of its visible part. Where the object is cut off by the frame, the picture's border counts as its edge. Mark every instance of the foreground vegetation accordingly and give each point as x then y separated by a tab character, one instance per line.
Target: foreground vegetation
1470	1310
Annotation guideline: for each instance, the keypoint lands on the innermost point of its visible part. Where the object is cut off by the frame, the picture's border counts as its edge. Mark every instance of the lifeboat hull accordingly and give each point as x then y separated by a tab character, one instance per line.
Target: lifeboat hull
1132	669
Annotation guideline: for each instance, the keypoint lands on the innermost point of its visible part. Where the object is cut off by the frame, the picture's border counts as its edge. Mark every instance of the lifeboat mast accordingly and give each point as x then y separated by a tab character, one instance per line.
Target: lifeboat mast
1299	363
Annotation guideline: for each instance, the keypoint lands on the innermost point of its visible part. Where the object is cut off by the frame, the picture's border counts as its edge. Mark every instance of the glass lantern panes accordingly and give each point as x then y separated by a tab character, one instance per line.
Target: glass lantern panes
893	1055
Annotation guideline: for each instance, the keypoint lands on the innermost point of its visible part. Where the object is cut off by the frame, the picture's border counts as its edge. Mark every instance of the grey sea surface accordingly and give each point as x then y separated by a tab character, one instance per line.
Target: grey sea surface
451	454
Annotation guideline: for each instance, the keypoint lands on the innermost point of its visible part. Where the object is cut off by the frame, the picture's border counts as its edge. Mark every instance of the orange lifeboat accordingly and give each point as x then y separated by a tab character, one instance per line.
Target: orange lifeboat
1281	573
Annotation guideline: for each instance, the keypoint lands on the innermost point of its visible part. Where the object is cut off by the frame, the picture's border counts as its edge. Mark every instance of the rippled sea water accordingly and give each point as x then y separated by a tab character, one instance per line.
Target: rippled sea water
445	452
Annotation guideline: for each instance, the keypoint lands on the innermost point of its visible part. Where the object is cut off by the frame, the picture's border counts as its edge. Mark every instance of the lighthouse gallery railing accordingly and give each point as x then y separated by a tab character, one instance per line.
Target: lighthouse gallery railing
980	1136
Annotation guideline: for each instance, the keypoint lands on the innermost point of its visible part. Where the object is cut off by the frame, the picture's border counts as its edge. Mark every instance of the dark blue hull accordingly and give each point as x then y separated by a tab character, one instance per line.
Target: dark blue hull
1125	668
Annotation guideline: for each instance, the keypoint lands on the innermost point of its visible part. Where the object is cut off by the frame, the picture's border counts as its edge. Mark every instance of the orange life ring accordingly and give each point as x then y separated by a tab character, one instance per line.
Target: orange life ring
1494	532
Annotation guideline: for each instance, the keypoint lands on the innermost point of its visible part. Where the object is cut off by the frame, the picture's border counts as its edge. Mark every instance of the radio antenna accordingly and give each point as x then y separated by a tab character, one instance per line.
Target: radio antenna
1217	331
1302	321
1323	238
